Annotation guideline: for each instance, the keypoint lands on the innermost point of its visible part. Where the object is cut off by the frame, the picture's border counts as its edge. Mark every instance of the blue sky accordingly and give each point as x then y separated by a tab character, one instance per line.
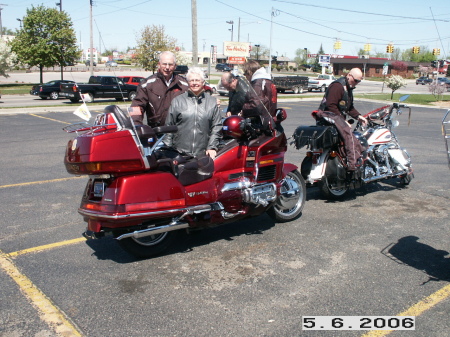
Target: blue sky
296	23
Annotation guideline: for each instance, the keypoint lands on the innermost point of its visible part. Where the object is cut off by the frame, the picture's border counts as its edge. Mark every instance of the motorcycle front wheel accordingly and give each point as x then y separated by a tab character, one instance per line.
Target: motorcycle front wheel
149	246
291	200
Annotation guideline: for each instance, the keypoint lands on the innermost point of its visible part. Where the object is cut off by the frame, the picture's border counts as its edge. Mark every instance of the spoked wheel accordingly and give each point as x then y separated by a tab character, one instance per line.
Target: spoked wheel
150	245
331	194
291	200
54	95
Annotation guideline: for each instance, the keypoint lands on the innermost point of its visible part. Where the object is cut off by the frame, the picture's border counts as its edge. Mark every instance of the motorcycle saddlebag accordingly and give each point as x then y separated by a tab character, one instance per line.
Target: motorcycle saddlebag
315	137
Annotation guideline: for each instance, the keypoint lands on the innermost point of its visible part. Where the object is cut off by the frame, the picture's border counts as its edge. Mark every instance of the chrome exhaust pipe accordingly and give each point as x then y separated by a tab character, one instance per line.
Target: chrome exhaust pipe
154	230
174	225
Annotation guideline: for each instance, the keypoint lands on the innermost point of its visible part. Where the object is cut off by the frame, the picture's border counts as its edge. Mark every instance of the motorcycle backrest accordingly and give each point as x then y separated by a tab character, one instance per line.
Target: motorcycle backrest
122	118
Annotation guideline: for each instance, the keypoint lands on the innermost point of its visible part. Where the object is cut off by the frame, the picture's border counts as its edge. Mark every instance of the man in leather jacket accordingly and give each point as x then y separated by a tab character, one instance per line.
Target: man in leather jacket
336	104
154	96
197	116
238	88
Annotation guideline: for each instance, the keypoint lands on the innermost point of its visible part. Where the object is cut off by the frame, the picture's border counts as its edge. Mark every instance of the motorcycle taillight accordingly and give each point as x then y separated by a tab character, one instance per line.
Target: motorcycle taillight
104	167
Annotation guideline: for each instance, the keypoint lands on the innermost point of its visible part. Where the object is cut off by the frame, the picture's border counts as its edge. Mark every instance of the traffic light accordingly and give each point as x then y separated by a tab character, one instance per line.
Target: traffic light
337	45
416	50
436	51
367	47
389	48
434	64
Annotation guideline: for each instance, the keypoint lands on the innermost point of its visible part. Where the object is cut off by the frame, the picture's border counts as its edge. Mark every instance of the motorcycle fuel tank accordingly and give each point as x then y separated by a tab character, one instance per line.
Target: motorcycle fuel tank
380	136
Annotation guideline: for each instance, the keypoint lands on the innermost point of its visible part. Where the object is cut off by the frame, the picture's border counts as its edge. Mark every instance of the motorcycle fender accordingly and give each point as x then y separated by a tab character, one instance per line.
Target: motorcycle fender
318	170
398	156
288	167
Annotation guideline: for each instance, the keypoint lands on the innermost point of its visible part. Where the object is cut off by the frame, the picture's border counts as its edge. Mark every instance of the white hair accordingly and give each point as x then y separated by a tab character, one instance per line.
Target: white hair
168	53
196	71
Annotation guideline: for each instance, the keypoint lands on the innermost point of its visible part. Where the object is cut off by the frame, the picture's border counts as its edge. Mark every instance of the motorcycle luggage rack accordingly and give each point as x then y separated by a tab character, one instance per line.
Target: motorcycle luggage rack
84	127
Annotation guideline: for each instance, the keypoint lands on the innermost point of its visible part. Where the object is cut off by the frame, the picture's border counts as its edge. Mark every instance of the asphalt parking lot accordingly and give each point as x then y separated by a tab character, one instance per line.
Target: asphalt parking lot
383	251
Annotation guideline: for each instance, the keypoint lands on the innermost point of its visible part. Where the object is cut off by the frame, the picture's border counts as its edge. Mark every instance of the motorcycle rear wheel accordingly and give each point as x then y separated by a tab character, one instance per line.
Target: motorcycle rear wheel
291	201
331	194
150	245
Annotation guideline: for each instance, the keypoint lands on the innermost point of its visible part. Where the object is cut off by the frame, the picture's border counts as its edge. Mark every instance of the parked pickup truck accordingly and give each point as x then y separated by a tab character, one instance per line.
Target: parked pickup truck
297	84
321	82
99	87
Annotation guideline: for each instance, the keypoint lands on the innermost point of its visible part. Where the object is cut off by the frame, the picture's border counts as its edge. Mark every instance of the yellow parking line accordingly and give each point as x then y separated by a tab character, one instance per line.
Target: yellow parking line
48	311
417	309
40	182
55	120
45	247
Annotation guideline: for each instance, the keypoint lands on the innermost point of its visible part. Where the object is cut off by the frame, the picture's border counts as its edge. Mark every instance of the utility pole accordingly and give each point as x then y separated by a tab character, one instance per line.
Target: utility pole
91	43
1	27
194	33
61	47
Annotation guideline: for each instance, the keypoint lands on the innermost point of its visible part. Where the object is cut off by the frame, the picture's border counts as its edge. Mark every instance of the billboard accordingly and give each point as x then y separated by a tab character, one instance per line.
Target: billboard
234	48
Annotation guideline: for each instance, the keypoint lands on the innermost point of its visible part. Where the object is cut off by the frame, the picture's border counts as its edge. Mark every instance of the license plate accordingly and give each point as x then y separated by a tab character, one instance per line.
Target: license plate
99	189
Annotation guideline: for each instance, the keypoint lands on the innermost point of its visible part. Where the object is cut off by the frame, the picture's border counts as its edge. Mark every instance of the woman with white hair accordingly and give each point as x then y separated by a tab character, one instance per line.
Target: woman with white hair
197	116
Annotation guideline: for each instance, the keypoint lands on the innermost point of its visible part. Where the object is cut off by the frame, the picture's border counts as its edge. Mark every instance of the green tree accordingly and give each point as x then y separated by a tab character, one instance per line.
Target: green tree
7	31
151	42
7	58
301	56
46	39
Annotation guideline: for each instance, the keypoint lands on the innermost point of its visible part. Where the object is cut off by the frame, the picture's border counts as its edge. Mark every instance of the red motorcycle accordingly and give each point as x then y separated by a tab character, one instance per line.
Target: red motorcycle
144	193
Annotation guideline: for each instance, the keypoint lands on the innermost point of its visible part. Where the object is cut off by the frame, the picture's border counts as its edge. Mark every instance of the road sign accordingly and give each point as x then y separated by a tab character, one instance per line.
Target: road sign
324	59
236	60
385	69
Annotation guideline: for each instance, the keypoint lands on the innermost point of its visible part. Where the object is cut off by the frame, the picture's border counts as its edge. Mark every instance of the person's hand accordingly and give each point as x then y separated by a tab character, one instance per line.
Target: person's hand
211	153
218	101
363	120
228	114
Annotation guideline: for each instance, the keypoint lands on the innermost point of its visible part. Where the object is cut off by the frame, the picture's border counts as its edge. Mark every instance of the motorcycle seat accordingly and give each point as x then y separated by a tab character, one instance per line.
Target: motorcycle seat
195	170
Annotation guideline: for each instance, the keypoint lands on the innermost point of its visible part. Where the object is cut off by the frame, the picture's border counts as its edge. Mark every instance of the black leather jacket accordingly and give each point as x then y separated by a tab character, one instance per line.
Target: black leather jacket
199	123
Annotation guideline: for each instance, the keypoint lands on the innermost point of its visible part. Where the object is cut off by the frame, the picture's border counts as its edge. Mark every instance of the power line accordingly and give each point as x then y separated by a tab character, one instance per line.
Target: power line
360	12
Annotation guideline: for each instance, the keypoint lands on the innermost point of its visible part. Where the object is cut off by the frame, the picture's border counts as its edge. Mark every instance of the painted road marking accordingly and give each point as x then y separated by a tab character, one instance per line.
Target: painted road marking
56	319
51	119
417	309
45	247
40	182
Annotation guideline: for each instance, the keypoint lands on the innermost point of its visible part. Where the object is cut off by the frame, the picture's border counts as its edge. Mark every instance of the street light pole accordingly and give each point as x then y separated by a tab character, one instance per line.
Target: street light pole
232	24
20	23
257	52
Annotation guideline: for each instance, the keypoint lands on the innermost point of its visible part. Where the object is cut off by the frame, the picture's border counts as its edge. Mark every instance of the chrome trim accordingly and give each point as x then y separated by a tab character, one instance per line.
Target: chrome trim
237	185
154	231
189	210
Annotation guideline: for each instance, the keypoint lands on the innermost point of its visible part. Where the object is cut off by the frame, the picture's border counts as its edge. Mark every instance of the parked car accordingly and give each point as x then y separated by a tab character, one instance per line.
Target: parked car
99	87
444	81
222	67
220	89
209	88
135	80
181	70
88	62
50	89
424	80
110	64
